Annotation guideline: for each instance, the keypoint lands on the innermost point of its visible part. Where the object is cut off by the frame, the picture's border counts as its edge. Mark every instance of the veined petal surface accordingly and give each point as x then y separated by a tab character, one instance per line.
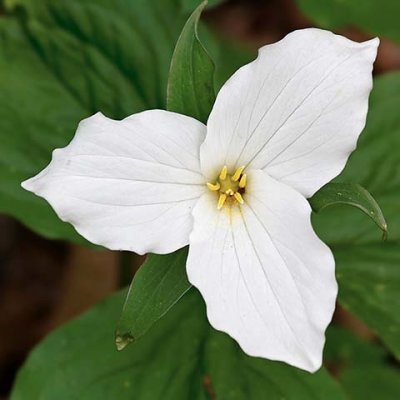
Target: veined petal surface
295	112
267	279
130	184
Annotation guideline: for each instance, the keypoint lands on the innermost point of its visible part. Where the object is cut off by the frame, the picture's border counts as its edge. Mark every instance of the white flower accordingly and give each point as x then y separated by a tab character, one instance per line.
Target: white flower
235	191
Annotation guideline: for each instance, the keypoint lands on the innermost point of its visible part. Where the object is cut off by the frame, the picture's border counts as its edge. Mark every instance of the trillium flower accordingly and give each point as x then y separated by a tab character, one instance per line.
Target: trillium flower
235	190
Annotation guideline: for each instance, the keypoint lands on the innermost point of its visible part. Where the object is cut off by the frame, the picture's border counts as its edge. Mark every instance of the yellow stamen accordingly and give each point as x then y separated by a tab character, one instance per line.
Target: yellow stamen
221	200
242	182
229	188
239	197
213	187
223	173
237	174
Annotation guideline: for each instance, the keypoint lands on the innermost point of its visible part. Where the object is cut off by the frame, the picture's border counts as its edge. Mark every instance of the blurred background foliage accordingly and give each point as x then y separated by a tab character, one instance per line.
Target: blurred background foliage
61	61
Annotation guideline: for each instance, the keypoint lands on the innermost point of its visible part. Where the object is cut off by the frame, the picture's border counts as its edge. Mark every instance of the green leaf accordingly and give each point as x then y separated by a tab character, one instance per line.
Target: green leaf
378	17
181	357
160	282
371	382
361	367
369	281
344	349
37	115
350	194
65	61
191	76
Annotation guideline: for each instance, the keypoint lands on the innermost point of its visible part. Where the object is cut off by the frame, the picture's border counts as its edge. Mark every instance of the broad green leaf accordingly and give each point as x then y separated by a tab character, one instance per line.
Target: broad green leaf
191	76
350	194
157	286
377	17
371	382
68	60
37	114
361	367
369	282
181	357
344	349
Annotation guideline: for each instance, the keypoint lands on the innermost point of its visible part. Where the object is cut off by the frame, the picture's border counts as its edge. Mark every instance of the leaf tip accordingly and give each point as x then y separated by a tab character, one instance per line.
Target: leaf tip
122	341
384	232
203	4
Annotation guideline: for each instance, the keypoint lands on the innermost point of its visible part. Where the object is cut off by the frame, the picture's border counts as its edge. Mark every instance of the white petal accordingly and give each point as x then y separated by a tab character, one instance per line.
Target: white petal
295	112
267	279
130	184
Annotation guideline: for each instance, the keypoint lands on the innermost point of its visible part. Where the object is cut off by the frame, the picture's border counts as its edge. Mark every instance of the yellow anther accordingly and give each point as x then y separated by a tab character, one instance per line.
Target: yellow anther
242	182
221	200
229	188
237	174
239	197
213	187
223	173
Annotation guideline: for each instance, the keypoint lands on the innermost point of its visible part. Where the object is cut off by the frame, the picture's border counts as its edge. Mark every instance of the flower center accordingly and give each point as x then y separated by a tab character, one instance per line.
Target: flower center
229	187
